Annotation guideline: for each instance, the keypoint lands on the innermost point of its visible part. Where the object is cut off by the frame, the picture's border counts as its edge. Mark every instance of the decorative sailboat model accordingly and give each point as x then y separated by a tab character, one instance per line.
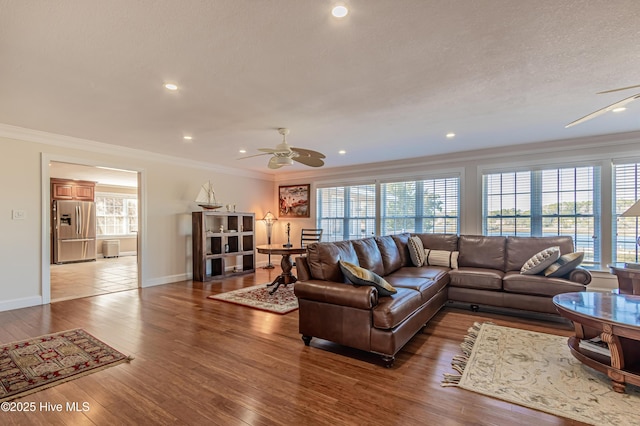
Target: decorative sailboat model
207	197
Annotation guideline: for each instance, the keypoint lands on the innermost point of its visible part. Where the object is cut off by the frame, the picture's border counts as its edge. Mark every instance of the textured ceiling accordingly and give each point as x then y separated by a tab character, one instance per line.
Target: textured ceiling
385	83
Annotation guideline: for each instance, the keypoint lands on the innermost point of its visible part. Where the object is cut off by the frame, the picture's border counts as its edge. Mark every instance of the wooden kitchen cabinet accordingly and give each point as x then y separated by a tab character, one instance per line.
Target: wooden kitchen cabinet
67	189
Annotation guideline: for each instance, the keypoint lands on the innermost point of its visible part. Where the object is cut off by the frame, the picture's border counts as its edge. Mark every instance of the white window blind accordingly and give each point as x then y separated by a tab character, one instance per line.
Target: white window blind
429	206
346	212
549	202
625	229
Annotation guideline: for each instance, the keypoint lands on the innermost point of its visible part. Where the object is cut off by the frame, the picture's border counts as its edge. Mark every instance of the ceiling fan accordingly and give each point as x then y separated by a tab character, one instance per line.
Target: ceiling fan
611	107
284	154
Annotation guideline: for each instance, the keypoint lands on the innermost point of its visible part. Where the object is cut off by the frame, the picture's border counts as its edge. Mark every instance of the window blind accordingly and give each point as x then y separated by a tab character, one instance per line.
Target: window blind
561	201
346	212
625	229
428	206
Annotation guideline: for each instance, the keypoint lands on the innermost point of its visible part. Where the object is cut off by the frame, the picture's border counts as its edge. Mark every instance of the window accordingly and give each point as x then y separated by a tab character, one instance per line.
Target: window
544	203
625	229
346	212
116	214
425	206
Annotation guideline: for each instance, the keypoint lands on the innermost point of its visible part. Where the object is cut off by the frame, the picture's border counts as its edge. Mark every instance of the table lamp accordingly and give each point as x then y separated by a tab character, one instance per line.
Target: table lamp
268	220
633	211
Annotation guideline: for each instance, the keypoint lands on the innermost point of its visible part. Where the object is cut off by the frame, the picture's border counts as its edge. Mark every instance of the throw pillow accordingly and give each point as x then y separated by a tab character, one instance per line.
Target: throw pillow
441	258
361	276
416	251
565	264
540	261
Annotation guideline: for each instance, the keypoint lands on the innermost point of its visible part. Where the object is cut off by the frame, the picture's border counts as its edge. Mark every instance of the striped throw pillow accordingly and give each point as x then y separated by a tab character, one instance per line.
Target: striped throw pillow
441	258
416	251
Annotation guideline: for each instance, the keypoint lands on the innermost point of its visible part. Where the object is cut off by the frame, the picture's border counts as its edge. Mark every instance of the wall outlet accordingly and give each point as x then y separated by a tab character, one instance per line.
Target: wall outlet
18	214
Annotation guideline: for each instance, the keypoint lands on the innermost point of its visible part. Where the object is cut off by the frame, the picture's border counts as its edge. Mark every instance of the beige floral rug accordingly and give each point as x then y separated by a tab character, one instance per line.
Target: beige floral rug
31	365
537	370
282	301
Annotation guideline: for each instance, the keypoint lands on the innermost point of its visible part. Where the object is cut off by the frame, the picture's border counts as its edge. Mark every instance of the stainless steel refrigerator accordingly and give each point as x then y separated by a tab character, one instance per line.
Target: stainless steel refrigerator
74	231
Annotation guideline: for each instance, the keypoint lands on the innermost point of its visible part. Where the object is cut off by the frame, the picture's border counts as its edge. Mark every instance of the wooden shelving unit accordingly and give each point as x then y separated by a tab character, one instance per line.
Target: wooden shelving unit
223	244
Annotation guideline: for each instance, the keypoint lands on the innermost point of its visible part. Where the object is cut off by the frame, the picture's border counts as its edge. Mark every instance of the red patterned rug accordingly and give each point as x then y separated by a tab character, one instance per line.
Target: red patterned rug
282	301
35	364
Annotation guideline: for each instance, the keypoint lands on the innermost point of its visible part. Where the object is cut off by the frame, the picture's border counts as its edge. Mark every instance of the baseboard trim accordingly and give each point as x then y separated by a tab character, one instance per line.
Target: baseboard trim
25	302
166	280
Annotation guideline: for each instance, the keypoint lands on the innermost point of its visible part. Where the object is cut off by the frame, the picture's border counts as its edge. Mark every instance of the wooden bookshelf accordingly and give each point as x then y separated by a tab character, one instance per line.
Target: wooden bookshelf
223	244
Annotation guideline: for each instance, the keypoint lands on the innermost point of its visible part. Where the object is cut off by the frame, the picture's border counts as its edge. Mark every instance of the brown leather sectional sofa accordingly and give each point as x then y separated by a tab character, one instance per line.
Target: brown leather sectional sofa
356	316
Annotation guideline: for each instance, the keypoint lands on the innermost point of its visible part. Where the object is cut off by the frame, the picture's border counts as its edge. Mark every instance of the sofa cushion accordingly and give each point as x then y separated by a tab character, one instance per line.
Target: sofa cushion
540	261
439	241
402	243
520	249
538	285
416	251
362	276
425	286
323	259
369	256
564	265
391	259
478	251
431	272
478	278
441	258
392	311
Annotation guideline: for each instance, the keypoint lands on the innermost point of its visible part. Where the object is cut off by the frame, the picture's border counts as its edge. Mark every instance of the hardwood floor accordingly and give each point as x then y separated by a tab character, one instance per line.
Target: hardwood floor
200	361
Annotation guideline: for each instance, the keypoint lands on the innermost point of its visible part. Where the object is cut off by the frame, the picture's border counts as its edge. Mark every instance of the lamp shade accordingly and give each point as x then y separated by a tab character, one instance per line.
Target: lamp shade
633	211
269	217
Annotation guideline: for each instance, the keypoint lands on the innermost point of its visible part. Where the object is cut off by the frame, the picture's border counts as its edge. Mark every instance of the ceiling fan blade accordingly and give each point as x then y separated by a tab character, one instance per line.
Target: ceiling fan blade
273	163
617	90
603	110
251	156
309	161
308	153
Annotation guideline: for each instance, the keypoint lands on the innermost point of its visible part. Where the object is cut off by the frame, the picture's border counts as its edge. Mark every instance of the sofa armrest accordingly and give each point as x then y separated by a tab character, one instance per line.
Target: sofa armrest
364	297
581	276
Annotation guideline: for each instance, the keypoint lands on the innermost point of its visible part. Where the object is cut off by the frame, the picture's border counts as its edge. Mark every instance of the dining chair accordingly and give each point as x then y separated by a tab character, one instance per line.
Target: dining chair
308	236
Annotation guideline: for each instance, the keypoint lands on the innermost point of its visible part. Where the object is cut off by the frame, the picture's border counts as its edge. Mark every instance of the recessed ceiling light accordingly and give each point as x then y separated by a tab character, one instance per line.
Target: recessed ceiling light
451	135
342	152
339	11
243	151
188	138
171	86
619	109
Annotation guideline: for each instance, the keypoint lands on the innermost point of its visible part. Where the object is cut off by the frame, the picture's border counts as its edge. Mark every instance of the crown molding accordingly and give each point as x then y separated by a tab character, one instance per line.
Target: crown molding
453	159
46	138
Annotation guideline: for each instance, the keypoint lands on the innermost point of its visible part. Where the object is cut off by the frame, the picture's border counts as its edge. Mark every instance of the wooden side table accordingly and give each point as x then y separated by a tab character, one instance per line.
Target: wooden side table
286	277
628	278
616	319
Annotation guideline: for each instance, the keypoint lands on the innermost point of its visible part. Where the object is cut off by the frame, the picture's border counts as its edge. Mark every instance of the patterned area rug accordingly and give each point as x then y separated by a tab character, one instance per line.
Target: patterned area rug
282	301
35	364
537	370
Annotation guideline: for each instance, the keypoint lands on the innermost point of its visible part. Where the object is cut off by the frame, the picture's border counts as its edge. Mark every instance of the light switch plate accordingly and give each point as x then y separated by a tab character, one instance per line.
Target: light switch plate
19	214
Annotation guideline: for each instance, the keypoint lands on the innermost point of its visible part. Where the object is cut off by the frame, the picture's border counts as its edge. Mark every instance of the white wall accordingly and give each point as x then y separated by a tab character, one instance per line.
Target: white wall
169	188
603	151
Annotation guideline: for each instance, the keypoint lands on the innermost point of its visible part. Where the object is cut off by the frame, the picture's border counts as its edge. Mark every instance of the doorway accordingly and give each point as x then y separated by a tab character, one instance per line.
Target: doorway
115	267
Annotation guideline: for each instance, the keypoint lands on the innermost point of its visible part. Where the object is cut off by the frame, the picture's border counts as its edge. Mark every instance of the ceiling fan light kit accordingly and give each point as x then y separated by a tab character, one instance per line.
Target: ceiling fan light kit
285	155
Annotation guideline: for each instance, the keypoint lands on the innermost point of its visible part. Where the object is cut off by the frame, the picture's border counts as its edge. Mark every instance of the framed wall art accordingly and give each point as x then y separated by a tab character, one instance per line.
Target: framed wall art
294	201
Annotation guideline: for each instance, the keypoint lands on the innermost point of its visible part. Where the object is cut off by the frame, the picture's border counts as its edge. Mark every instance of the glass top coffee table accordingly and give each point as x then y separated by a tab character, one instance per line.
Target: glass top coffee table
616	319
